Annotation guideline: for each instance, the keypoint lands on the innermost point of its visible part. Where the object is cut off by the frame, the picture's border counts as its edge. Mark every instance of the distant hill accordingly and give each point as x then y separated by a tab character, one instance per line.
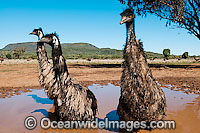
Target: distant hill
73	51
31	46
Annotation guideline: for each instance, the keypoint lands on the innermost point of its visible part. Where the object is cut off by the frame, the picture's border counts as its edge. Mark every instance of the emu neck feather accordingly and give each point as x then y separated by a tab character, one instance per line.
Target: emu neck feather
46	72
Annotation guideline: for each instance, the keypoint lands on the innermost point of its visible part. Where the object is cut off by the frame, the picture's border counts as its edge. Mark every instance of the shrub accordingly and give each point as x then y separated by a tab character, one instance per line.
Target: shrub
8	56
33	57
17	52
166	53
185	55
89	59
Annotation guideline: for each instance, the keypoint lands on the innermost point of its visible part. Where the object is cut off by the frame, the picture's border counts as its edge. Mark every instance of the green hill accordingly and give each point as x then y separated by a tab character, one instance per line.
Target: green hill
71	51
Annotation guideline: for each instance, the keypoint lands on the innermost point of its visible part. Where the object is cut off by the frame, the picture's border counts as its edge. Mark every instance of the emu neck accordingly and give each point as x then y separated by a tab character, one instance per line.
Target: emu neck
41	53
135	62
58	60
40	36
130	27
133	50
43	62
56	51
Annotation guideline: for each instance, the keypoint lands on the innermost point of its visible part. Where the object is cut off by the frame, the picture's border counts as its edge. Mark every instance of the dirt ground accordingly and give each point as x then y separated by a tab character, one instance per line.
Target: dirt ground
16	78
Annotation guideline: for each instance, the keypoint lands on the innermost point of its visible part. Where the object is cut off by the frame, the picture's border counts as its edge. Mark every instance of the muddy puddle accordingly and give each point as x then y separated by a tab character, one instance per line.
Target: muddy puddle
182	107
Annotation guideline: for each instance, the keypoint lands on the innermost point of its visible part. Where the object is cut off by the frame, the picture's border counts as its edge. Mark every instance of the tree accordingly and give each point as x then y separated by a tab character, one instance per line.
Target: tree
17	52
166	53
8	56
184	13
185	55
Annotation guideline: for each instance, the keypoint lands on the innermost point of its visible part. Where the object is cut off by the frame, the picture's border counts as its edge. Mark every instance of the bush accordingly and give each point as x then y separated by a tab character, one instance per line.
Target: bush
33	57
166	53
17	52
89	59
8	56
185	55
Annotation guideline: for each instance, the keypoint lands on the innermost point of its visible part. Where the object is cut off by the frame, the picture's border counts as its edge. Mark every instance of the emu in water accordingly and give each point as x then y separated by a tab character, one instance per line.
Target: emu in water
141	98
74	102
47	77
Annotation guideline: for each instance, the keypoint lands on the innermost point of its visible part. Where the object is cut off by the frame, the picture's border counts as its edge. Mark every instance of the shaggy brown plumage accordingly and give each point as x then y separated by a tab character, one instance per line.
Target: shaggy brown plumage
73	101
141	98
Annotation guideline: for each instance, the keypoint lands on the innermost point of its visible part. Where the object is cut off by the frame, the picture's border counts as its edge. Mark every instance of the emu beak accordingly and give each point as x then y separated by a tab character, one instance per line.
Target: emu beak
122	20
31	33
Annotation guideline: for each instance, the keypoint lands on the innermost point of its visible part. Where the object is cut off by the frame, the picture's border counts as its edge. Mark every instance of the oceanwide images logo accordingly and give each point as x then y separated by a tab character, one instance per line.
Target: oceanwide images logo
45	123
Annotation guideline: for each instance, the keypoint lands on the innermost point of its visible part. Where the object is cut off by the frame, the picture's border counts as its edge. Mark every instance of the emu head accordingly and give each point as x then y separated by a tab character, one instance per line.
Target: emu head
37	32
127	16
51	39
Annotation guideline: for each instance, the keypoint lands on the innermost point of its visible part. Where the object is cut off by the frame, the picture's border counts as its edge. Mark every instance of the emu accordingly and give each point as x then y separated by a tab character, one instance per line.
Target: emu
46	71
141	98
74	102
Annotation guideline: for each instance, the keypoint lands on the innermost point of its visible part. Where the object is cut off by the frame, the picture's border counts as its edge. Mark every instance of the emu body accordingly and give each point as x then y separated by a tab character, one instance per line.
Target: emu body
141	98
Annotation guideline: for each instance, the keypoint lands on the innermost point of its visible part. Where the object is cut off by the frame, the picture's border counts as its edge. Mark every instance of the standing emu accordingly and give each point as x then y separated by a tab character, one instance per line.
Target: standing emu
141	98
74	102
46	72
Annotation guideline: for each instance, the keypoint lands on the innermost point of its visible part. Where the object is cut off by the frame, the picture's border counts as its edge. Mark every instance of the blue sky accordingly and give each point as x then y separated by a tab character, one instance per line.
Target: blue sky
92	21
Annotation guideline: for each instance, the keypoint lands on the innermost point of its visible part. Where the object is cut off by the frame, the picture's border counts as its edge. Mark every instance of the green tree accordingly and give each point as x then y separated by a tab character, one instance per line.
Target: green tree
8	56
184	13
185	55
166	53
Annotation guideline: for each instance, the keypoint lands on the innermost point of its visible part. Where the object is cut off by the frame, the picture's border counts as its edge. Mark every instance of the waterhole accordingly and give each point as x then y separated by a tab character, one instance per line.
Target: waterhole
181	107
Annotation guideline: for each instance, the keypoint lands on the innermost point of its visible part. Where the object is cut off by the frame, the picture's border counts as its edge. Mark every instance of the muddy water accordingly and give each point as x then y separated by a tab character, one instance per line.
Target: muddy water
181	107
14	110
